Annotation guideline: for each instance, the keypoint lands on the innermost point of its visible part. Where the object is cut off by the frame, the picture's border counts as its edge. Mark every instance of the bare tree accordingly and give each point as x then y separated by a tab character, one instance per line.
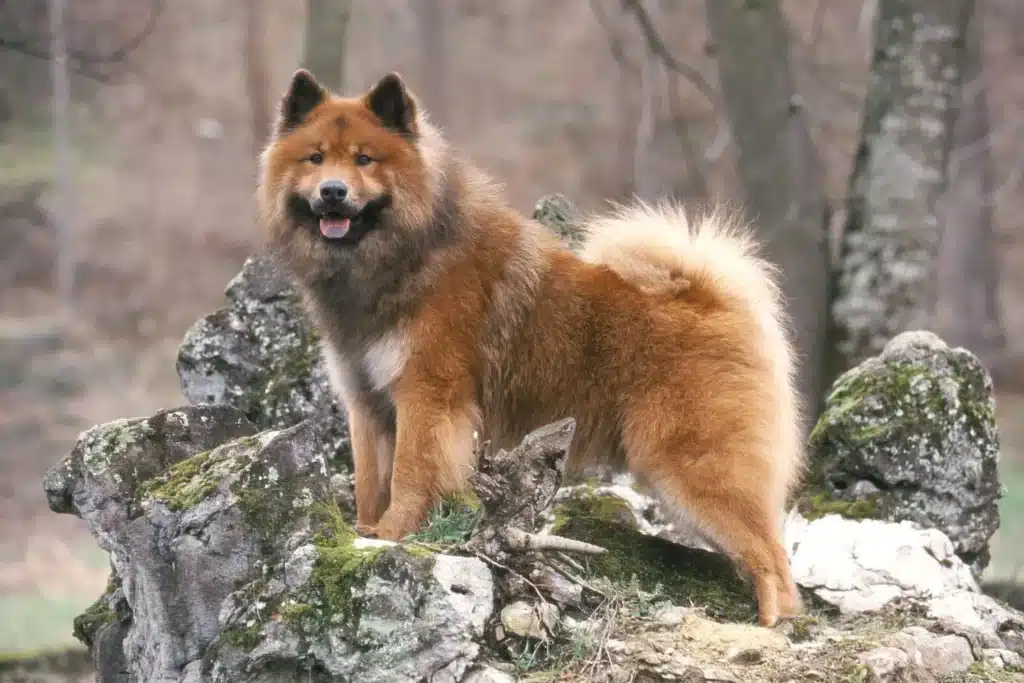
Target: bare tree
324	55
778	165
967	311
24	29
256	76
885	280
433	61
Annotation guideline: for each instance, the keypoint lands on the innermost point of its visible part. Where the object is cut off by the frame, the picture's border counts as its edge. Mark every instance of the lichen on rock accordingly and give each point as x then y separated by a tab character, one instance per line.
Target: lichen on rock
911	435
262	356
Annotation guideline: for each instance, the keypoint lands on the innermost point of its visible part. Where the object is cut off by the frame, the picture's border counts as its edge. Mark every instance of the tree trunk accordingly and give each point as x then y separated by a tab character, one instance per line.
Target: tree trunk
967	312
885	282
778	166
256	76
326	22
433	61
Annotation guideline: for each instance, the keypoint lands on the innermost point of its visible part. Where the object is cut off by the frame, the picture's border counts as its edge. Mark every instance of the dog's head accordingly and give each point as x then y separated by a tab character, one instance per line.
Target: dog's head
338	170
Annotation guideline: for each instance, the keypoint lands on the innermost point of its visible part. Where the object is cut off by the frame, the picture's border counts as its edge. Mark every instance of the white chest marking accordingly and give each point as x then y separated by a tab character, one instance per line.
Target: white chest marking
385	359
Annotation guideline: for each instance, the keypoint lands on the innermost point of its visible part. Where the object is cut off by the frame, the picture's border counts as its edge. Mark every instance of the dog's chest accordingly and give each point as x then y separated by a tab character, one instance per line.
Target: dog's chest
371	369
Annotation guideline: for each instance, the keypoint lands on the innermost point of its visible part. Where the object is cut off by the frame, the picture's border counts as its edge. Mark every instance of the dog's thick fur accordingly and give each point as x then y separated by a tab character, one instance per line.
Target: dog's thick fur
446	315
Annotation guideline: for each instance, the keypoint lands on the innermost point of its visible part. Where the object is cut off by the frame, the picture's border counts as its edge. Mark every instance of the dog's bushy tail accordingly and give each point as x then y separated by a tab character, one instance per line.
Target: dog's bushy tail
711	256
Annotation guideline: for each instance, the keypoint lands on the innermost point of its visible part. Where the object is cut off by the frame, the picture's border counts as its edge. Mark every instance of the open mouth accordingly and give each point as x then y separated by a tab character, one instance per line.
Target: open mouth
334	226
340	224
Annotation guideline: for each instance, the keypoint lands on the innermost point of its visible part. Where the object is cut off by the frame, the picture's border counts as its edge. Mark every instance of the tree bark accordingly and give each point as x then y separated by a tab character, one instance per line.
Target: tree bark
885	282
778	166
967	313
434	62
326	24
257	79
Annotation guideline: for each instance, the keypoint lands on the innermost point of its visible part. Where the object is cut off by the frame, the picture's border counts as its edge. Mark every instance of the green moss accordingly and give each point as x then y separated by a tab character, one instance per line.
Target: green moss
105	445
97	615
893	383
452	521
340	567
982	672
585	504
243	638
816	504
184	484
803	628
686	575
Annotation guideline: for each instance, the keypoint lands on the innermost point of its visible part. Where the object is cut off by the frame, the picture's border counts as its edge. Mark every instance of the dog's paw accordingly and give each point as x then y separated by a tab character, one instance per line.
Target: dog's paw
366	530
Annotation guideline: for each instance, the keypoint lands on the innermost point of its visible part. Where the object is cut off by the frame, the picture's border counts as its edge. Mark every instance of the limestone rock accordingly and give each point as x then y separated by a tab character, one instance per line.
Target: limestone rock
862	566
911	435
261	355
233	563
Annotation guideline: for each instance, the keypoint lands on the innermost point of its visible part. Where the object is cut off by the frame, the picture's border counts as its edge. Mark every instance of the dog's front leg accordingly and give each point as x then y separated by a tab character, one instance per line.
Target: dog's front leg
434	455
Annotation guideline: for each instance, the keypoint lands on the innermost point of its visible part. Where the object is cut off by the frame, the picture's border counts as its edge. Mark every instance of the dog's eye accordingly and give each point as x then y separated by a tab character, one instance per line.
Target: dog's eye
363	160
316	158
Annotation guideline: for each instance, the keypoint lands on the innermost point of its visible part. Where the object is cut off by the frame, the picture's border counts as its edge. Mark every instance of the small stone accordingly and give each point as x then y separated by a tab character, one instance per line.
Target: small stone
672	616
716	675
299	566
1002	659
529	620
557	586
487	674
940	654
885	661
749	655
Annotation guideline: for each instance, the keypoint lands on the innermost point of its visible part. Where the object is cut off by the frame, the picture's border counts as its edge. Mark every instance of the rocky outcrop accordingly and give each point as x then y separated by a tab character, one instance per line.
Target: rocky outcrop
232	562
233	559
911	435
261	356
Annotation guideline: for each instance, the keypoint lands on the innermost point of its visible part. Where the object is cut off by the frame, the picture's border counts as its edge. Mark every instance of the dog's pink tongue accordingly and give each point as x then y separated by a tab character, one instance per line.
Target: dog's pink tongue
333	228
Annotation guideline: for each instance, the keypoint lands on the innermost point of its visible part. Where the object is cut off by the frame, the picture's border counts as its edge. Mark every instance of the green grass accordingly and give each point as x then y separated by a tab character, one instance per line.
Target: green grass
1008	543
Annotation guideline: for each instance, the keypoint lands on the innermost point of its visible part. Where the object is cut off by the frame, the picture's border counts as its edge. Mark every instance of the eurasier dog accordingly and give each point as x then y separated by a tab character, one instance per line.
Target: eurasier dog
445	314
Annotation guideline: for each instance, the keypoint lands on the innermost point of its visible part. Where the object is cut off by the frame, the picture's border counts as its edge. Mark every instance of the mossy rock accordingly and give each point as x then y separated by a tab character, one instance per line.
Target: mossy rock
261	355
686	575
911	435
583	502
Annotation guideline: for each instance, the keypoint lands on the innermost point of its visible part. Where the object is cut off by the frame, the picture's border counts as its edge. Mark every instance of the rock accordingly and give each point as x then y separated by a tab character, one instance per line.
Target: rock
233	563
993	620
487	674
262	356
911	435
1002	659
864	565
941	655
885	662
109	461
556	586
529	620
561	217
618	500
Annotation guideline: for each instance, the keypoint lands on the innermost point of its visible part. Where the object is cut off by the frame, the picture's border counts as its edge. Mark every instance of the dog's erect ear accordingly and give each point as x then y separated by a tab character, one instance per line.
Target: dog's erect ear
304	93
393	104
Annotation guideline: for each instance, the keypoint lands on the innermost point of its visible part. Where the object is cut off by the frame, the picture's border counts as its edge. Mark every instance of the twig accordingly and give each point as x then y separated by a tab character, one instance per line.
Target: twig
499	565
521	540
658	47
82	62
614	39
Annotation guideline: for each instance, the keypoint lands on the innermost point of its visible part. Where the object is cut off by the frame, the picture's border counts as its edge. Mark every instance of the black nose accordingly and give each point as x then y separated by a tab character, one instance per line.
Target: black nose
333	191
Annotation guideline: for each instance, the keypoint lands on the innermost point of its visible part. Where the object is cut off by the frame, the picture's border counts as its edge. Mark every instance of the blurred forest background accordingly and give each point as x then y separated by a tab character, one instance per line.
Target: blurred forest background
879	144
